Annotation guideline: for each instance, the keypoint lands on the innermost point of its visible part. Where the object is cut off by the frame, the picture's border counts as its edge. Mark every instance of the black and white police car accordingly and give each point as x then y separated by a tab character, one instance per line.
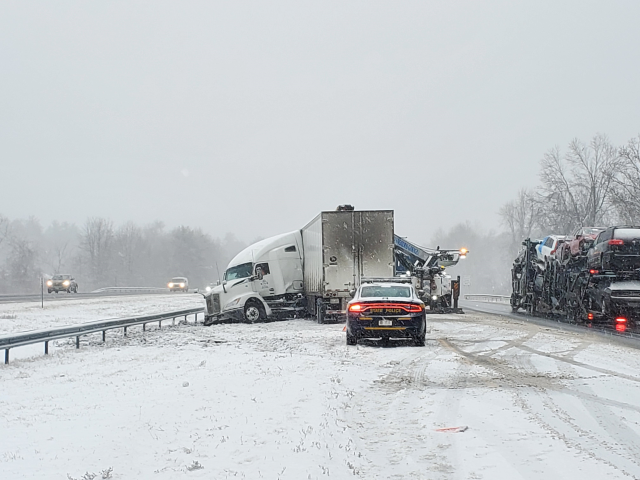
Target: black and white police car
386	308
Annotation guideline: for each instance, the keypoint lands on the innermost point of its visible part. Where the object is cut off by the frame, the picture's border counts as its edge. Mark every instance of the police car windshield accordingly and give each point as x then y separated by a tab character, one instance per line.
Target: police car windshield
385	291
239	271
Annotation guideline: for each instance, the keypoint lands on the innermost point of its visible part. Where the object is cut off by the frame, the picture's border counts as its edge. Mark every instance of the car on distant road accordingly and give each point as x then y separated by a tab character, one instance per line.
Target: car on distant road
385	309
178	284
62	283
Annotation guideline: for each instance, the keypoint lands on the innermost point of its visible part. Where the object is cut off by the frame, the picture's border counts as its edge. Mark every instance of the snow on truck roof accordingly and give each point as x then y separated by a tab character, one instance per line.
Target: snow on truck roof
258	249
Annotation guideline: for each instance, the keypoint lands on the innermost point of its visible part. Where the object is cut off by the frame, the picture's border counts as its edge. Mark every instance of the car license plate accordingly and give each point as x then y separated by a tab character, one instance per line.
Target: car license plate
385	323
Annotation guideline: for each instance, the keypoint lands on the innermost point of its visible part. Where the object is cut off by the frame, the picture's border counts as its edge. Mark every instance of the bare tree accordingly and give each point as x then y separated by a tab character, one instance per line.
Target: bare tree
60	240
97	243
522	215
193	254
129	245
577	188
4	228
626	191
21	265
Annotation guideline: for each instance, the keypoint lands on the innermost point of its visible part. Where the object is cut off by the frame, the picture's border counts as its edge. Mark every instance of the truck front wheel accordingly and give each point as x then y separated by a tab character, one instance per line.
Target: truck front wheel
254	312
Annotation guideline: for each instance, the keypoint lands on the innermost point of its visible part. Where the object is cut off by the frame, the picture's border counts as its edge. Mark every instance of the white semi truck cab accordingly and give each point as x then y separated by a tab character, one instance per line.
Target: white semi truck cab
263	281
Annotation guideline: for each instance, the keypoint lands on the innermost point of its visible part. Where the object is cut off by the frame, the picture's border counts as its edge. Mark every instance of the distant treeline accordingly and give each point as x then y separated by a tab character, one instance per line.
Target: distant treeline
590	184
100	254
487	268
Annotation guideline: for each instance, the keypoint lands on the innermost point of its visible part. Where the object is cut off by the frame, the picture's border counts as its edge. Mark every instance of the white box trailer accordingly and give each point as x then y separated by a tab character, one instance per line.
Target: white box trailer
339	248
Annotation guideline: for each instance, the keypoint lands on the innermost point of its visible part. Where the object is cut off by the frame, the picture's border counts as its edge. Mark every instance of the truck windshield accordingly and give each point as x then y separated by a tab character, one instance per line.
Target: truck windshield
239	271
385	291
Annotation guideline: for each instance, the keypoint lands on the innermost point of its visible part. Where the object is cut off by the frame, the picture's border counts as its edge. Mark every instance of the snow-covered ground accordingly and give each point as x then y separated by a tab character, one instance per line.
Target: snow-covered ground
20	317
289	400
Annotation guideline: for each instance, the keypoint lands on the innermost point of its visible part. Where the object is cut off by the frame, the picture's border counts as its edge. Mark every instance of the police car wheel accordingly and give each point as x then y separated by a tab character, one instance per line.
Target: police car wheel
419	341
351	339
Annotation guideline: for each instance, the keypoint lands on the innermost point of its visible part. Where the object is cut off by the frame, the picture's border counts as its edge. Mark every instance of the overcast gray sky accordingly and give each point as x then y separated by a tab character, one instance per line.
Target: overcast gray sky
251	117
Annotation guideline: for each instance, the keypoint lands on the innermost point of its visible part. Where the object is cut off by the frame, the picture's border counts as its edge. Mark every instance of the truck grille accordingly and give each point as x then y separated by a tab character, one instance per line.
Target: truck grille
213	303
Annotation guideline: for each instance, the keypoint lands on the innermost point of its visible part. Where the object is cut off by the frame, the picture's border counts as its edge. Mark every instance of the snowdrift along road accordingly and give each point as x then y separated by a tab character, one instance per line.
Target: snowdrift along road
289	400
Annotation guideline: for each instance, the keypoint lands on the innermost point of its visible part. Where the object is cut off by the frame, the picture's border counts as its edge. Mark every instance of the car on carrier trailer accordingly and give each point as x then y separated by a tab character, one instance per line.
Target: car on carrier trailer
616	248
386	308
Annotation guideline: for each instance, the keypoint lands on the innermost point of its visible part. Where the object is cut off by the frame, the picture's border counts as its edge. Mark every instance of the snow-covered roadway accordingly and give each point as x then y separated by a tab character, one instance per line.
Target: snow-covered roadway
290	400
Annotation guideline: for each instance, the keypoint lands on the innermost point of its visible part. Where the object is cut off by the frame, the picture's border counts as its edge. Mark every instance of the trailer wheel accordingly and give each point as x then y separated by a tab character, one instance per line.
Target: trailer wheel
319	310
254	312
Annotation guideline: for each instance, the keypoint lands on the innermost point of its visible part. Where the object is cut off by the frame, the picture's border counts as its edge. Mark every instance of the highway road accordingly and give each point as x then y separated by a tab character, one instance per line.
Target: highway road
108	292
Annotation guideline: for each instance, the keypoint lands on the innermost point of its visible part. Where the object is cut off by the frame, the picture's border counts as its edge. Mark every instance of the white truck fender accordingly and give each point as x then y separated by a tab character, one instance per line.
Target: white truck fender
242	300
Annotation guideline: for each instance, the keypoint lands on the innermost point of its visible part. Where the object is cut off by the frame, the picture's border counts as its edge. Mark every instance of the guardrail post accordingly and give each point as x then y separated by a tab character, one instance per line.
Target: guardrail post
160	324
104	335
125	331
78	341
144	327
185	319
46	347
6	356
174	321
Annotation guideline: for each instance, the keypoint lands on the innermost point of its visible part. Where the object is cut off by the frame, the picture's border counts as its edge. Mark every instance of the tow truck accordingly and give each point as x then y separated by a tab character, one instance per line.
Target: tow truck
427	267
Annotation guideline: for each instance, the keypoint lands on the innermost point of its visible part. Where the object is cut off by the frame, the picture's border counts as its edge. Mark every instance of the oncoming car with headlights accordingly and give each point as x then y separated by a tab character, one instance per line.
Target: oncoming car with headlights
386	308
62	283
180	284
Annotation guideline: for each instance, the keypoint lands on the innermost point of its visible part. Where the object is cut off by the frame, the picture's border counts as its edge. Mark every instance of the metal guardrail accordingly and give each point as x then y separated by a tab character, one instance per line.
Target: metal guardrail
488	298
37	336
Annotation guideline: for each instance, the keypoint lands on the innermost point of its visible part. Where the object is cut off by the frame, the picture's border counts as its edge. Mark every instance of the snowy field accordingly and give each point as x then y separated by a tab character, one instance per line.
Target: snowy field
20	317
289	400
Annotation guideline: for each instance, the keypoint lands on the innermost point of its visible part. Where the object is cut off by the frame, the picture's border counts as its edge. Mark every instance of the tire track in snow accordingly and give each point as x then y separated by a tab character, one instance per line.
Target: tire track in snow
567	429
